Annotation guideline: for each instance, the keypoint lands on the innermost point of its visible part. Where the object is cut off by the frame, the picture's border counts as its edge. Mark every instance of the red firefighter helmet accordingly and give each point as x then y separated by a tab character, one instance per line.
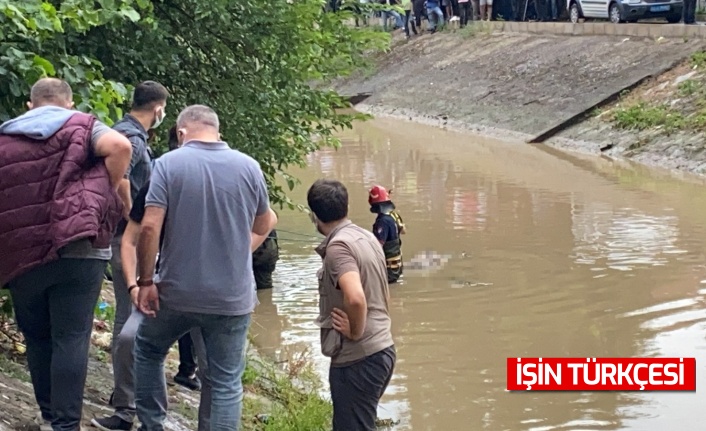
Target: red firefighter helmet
378	195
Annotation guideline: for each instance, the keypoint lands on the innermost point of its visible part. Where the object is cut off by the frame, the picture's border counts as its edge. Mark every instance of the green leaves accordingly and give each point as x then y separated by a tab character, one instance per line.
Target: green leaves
39	40
263	65
130	14
45	65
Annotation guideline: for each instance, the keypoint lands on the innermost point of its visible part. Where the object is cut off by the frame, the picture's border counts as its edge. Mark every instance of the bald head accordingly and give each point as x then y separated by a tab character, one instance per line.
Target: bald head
197	123
198	117
51	91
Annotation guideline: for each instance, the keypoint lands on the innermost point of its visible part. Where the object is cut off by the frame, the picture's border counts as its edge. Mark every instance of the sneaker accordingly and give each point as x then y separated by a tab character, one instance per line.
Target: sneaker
189	382
112	423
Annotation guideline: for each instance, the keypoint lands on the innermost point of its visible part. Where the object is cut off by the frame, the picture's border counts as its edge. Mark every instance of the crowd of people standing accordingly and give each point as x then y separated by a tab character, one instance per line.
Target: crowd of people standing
410	14
181	233
434	12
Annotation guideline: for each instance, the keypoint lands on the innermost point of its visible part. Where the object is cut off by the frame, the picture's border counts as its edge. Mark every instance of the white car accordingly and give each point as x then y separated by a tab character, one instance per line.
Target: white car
626	10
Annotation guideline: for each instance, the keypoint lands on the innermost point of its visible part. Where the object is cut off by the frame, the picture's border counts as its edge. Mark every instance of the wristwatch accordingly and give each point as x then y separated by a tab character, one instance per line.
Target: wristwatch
144	283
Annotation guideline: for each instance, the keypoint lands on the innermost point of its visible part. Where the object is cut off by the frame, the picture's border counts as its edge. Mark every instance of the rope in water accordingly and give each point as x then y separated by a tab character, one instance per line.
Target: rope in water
307	241
298	234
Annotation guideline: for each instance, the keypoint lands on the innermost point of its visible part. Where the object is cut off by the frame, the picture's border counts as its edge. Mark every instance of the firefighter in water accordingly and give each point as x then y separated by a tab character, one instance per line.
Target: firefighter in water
264	260
387	229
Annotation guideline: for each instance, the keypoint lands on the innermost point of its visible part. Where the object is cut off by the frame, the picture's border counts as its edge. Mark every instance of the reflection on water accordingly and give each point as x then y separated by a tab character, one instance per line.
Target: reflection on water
622	238
544	255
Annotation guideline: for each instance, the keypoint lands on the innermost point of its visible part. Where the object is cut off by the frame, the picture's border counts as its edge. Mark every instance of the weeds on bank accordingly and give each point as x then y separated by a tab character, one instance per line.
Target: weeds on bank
642	117
686	110
10	367
698	59
187	411
689	88
471	30
104	312
250	375
292	395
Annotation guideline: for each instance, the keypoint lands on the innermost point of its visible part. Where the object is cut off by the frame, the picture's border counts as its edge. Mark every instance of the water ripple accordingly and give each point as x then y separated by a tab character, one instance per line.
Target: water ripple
623	239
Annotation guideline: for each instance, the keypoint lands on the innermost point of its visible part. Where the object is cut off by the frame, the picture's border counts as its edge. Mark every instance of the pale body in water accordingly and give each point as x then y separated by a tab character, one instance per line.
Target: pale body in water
427	260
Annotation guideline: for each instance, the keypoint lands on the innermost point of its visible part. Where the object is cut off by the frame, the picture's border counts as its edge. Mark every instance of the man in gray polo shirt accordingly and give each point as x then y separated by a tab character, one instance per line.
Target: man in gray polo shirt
214	205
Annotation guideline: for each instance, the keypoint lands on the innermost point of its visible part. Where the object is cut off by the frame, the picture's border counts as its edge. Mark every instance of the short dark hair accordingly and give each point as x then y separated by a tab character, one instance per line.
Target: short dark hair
49	91
173	141
328	199
147	94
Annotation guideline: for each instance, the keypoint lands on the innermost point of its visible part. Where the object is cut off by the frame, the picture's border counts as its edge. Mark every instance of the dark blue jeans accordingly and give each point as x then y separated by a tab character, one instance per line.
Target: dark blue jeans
54	306
225	340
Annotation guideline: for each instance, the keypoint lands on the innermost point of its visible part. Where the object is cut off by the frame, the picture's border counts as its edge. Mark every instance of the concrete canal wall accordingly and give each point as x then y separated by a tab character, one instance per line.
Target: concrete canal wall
599	28
535	82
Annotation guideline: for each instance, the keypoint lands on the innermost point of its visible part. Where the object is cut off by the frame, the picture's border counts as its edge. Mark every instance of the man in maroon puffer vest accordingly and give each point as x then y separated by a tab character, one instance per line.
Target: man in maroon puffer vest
59	170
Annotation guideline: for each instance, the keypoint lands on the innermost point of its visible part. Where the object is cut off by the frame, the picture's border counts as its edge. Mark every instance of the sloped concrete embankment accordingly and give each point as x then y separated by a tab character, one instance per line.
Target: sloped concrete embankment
516	85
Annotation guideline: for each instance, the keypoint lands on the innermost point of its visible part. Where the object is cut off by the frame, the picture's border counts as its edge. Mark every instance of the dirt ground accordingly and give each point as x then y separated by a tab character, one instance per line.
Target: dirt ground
18	408
515	86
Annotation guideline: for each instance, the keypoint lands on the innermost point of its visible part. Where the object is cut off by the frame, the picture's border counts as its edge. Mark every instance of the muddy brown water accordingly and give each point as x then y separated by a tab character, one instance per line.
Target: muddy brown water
550	255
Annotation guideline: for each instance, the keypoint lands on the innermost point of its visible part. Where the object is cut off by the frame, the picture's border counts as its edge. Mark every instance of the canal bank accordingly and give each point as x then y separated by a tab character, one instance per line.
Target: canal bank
279	393
547	82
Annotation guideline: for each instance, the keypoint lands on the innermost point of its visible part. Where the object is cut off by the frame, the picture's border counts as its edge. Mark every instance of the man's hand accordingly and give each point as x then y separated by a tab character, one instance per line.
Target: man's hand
148	300
256	241
341	323
124	194
134	297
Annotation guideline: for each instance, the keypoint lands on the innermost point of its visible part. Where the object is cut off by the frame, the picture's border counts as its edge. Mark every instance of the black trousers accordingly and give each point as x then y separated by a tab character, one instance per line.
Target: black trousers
466	12
187	358
455	7
54	306
356	390
689	14
419	12
408	22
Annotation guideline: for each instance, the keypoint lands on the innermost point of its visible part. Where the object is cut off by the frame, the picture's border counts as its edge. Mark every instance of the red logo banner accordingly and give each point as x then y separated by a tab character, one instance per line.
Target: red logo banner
601	374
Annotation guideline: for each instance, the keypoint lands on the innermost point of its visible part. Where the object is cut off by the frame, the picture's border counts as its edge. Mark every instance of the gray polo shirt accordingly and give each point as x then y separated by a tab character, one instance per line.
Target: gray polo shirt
212	195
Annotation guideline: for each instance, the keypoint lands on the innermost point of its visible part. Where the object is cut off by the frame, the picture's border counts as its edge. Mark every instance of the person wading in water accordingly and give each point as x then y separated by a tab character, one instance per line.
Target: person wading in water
264	261
387	229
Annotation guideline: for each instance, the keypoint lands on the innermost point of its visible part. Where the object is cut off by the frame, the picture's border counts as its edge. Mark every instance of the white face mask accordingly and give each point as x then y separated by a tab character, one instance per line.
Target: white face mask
159	118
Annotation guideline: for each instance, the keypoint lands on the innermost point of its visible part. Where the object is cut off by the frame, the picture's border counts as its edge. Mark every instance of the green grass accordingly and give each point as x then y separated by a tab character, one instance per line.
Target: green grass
471	30
698	58
301	412
296	404
689	87
642	117
250	375
11	368
104	311
99	354
186	411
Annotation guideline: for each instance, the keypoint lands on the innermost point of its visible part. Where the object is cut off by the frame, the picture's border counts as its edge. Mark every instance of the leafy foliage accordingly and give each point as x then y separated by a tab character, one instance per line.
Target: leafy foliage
263	65
34	38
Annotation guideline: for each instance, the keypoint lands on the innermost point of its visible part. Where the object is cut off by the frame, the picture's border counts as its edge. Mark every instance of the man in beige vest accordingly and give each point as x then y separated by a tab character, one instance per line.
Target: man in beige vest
353	310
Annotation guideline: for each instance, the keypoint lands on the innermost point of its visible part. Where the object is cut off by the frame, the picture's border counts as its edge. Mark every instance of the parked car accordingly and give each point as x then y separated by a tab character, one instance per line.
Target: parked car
626	10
